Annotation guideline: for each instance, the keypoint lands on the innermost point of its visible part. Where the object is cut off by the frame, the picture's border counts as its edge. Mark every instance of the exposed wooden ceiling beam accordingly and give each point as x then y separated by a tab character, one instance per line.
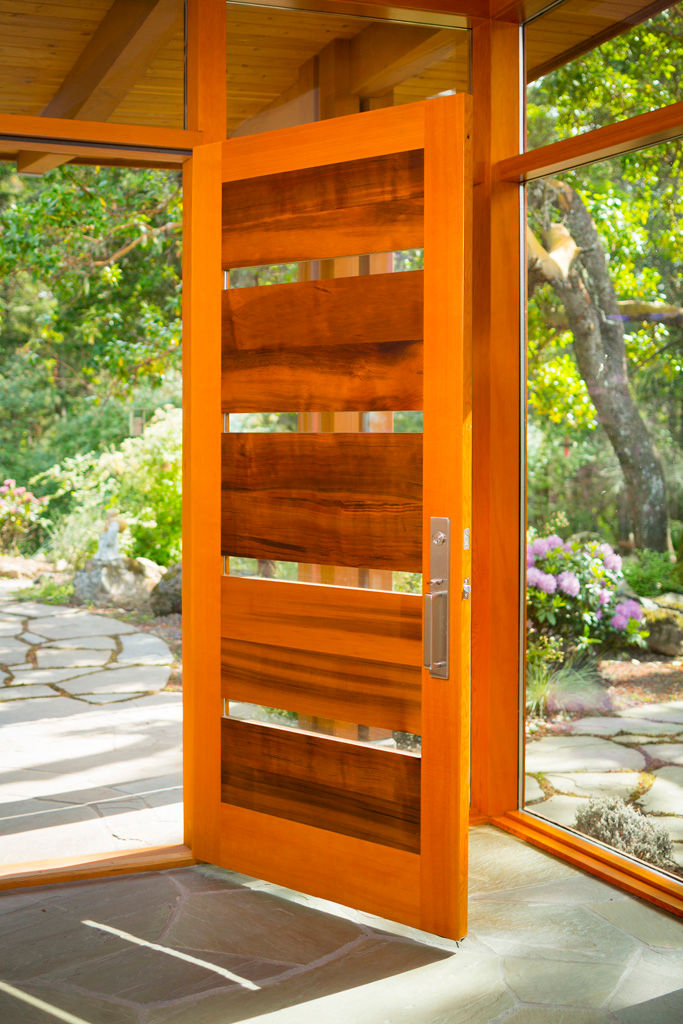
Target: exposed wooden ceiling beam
376	60
384	55
129	36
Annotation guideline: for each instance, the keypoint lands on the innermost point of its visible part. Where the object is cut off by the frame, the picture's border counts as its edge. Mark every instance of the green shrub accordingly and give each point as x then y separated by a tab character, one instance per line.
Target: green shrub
141	481
572	594
48	592
612	821
651	573
20	513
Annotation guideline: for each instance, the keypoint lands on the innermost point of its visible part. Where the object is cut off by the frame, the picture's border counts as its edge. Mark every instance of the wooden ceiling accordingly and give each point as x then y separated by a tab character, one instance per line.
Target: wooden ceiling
52	49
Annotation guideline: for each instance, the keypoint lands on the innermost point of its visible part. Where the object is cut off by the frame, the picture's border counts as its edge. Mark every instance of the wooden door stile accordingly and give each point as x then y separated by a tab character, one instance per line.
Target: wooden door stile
447	486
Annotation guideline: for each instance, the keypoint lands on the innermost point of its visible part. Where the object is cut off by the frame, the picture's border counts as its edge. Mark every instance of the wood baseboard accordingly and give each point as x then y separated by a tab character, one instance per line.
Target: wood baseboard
96	865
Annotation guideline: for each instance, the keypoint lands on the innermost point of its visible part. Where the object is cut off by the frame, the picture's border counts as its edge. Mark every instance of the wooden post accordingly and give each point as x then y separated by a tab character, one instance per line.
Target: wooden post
206	68
496	405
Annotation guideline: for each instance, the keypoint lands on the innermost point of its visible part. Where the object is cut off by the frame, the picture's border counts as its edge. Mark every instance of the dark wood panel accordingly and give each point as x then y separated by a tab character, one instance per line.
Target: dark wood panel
335	499
348	689
339	311
373	625
346	344
352	788
341	209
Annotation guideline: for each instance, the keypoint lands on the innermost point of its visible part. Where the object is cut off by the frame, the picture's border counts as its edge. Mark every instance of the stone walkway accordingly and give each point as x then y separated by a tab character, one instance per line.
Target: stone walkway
635	754
546	945
90	748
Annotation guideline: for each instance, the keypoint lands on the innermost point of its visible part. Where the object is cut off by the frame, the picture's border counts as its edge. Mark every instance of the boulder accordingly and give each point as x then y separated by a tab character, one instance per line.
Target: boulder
666	633
167	596
122	582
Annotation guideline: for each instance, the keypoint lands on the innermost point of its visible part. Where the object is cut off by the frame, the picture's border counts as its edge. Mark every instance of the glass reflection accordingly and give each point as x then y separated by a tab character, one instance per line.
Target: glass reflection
604	658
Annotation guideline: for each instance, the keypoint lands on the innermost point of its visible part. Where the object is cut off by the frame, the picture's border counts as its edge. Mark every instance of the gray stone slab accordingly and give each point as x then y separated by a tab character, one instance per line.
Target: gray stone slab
666	794
109	698
144	649
120	680
47	658
16	712
25	692
669	753
580	753
598	725
93	643
79	623
32	638
538	981
29	676
670	712
12	651
549	932
620	784
35	609
560	809
10	627
644	922
532	789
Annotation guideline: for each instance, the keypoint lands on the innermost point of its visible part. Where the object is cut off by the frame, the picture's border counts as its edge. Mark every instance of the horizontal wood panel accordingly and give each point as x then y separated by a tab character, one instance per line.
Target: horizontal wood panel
374	878
335	499
345	344
347	689
344	209
390	130
351	788
372	625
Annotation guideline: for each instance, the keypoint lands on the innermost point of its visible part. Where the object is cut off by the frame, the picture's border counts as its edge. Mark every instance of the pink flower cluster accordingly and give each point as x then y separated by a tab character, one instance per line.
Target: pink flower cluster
610	558
542	580
624	611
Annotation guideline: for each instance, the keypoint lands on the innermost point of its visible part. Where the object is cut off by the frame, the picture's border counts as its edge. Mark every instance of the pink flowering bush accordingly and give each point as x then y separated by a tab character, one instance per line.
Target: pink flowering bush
20	512
572	594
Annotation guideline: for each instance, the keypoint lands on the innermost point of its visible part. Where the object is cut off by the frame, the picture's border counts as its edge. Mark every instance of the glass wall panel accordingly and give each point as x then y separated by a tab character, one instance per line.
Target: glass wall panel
288	67
604	557
95	60
579	80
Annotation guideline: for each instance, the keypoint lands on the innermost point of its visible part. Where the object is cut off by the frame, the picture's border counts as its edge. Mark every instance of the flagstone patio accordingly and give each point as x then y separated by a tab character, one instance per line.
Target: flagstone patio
90	757
635	754
546	945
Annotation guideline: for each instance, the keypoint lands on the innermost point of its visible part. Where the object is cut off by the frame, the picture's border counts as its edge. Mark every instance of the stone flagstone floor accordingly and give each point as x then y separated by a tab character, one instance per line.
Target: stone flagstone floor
546	945
90	749
635	754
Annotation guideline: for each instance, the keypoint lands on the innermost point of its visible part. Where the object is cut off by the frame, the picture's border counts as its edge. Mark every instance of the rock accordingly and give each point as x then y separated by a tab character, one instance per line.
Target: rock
166	598
670	600
666	633
125	582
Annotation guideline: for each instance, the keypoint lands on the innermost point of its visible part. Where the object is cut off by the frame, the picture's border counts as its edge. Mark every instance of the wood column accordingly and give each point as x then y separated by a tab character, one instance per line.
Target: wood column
206	68
496	415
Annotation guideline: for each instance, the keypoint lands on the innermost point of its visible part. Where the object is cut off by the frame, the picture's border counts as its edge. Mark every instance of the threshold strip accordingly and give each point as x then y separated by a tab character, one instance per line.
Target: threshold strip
39	1004
224	973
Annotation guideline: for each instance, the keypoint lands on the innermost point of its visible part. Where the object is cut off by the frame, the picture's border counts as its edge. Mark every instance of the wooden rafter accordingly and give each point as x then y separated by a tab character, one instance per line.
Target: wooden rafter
129	36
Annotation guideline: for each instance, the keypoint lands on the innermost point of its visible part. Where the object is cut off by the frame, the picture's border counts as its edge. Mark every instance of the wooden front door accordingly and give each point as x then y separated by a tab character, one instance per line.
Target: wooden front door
357	791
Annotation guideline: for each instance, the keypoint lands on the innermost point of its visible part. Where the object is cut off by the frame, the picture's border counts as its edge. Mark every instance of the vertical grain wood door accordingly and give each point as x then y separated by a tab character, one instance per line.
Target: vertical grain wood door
354	814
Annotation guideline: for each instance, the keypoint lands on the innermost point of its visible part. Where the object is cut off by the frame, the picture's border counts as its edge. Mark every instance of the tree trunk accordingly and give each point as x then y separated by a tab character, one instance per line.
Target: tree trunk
596	323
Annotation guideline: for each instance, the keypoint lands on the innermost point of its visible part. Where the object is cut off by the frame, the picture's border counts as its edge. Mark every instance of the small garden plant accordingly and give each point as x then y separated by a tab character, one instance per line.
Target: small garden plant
572	594
20	513
612	821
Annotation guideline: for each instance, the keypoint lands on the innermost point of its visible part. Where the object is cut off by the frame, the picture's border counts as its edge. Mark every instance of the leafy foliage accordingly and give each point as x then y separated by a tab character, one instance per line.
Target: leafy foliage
572	594
20	512
140	480
651	572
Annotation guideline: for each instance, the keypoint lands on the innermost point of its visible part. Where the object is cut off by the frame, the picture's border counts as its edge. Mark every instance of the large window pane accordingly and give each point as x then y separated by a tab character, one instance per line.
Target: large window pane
578	81
604	658
288	67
